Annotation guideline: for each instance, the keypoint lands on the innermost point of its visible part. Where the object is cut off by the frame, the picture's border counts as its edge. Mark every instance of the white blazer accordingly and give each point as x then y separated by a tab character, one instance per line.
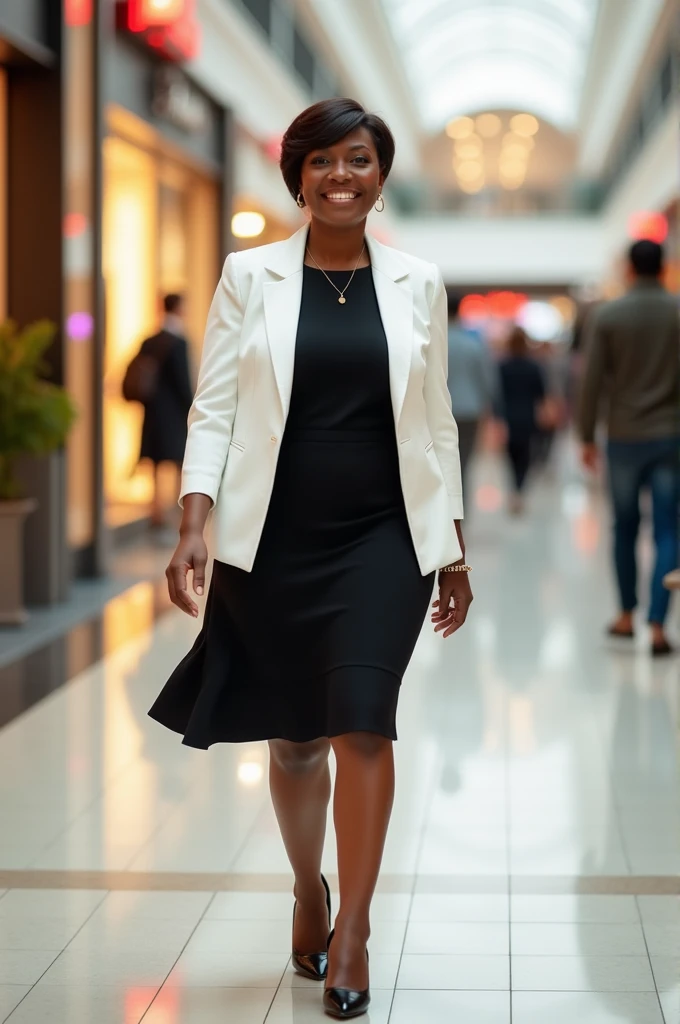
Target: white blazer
238	417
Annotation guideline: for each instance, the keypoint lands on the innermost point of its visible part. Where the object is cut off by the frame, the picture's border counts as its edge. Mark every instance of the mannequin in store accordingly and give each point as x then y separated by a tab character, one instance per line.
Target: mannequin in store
322	435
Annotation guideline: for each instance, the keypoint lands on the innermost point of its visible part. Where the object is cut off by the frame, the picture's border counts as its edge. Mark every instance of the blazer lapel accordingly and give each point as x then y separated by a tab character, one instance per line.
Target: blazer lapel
282	298
395	300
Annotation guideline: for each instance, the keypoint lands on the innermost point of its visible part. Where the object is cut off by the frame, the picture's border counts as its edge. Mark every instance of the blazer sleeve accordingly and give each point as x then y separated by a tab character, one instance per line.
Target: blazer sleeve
442	425
211	417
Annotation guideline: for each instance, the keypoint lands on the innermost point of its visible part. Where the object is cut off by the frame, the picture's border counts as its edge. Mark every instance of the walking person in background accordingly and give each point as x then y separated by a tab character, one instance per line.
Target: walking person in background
164	432
632	348
471	380
522	390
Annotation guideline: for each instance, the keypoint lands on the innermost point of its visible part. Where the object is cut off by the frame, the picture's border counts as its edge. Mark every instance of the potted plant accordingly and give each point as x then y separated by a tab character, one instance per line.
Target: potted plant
35	418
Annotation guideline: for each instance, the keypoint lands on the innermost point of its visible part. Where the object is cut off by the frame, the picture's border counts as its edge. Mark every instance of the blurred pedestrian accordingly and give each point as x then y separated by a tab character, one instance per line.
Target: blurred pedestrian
472	382
632	356
522	390
164	432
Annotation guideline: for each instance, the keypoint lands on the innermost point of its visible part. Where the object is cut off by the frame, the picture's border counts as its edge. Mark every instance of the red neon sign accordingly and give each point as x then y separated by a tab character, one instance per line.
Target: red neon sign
77	12
169	26
652	227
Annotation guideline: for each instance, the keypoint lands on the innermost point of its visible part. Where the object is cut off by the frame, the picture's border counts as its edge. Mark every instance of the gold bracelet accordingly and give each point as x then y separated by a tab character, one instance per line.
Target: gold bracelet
456	568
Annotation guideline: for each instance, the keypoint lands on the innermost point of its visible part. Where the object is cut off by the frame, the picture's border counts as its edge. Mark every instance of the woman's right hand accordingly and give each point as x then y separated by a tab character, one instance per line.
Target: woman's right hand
191	553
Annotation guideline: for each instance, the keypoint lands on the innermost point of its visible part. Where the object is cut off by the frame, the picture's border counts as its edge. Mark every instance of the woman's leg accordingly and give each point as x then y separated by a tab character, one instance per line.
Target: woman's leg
300	785
364	792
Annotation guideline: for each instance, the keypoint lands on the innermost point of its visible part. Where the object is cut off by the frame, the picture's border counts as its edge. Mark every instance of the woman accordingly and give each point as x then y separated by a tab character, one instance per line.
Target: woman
322	434
522	392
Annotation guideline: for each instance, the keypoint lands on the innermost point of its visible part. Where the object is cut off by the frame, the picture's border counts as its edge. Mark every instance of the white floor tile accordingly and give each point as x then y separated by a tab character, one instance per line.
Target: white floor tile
440	1007
242	937
162	906
197	969
655	909
427	937
138	934
663	938
387	937
459	907
11	996
120	966
24	966
36	933
588	909
210	1006
251	906
666	973
488	973
83	1004
581	974
303	1006
73	904
586	1008
577	939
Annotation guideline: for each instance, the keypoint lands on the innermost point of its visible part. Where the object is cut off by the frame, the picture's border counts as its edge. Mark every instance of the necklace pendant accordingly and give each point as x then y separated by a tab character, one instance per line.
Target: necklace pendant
342	300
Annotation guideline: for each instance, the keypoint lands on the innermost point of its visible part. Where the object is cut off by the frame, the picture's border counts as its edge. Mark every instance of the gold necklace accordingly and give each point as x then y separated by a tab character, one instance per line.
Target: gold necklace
342	300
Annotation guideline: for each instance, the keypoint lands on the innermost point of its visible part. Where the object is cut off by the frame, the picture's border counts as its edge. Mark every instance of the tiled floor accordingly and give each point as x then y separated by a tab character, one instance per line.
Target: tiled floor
532	872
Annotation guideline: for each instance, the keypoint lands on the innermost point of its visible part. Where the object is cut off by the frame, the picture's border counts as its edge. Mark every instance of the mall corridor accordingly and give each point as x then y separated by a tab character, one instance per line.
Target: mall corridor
531	869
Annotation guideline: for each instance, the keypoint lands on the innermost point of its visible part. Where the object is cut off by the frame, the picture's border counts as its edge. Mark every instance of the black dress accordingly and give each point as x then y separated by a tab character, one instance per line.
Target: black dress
315	640
164	432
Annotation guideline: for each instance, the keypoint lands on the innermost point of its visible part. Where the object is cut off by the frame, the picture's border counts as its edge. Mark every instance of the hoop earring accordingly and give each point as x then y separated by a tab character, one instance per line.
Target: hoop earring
381	201
300	200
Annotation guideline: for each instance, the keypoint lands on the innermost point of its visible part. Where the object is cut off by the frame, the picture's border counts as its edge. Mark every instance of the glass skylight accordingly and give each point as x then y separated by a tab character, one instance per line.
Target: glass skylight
463	56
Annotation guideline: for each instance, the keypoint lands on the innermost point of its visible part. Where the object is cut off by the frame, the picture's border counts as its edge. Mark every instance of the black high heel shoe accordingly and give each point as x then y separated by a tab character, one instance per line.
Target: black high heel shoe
313	965
344	1003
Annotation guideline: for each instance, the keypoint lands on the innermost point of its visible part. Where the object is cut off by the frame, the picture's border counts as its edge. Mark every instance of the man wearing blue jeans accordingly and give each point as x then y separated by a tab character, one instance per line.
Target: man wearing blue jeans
633	359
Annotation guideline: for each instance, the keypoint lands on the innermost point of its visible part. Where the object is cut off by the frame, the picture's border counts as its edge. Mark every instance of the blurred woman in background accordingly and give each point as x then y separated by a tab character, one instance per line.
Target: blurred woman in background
522	392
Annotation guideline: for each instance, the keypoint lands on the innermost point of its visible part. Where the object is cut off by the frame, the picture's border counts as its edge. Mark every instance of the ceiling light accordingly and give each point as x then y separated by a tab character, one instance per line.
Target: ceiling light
524	124
468	150
515	153
512	168
470	170
247	224
460	128
512	183
513	139
488	125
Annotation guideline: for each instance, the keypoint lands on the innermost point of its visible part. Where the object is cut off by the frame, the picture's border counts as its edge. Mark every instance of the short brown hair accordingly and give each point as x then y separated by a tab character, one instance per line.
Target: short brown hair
518	342
323	125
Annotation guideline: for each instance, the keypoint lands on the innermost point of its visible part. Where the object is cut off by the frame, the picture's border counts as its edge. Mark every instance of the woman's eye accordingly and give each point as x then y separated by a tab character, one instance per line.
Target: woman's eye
319	160
361	159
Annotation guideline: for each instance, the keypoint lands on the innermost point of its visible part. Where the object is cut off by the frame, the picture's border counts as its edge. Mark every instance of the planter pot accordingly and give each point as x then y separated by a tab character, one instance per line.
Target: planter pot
12	517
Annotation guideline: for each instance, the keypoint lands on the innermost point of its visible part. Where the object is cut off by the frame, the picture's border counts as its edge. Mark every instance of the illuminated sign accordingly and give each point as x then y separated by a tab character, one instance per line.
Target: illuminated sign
77	12
169	26
652	227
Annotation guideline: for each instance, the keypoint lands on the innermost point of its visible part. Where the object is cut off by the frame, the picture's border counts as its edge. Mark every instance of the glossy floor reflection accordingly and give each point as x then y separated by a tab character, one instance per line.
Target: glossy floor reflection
533	864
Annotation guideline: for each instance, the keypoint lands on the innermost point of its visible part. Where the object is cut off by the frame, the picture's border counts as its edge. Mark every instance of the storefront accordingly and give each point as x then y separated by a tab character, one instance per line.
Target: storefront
163	216
149	213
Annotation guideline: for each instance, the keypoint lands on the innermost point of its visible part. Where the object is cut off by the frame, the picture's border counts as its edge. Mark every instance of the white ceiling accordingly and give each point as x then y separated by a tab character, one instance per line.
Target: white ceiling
464	56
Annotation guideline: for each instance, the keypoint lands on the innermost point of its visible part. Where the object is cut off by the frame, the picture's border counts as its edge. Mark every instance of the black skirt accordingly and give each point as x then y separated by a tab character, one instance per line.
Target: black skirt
315	640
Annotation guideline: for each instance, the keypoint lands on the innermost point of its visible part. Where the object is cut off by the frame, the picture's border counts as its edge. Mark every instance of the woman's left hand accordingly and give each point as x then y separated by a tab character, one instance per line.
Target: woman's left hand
455	598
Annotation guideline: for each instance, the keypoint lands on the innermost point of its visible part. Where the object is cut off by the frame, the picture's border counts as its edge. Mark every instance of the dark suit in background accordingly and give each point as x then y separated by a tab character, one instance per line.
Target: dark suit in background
164	432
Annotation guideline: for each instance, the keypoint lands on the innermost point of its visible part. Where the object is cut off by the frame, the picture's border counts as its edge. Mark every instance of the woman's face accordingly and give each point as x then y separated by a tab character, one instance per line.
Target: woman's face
341	184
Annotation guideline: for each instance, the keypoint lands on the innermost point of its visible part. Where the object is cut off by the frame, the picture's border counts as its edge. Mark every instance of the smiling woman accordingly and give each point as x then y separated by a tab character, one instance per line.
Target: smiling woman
322	432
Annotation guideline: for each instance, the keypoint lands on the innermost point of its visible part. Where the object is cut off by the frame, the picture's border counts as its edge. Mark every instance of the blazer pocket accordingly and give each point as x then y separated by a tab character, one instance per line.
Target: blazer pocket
429	445
237	445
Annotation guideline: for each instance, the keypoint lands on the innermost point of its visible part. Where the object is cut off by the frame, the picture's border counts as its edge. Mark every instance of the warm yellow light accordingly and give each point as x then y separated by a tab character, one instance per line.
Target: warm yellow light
515	153
460	128
512	167
472	187
250	772
511	181
247	224
513	139
468	149
488	125
469	170
565	306
524	124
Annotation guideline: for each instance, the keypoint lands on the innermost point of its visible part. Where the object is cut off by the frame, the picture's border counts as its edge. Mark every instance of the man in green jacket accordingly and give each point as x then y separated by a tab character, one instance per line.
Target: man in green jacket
633	360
